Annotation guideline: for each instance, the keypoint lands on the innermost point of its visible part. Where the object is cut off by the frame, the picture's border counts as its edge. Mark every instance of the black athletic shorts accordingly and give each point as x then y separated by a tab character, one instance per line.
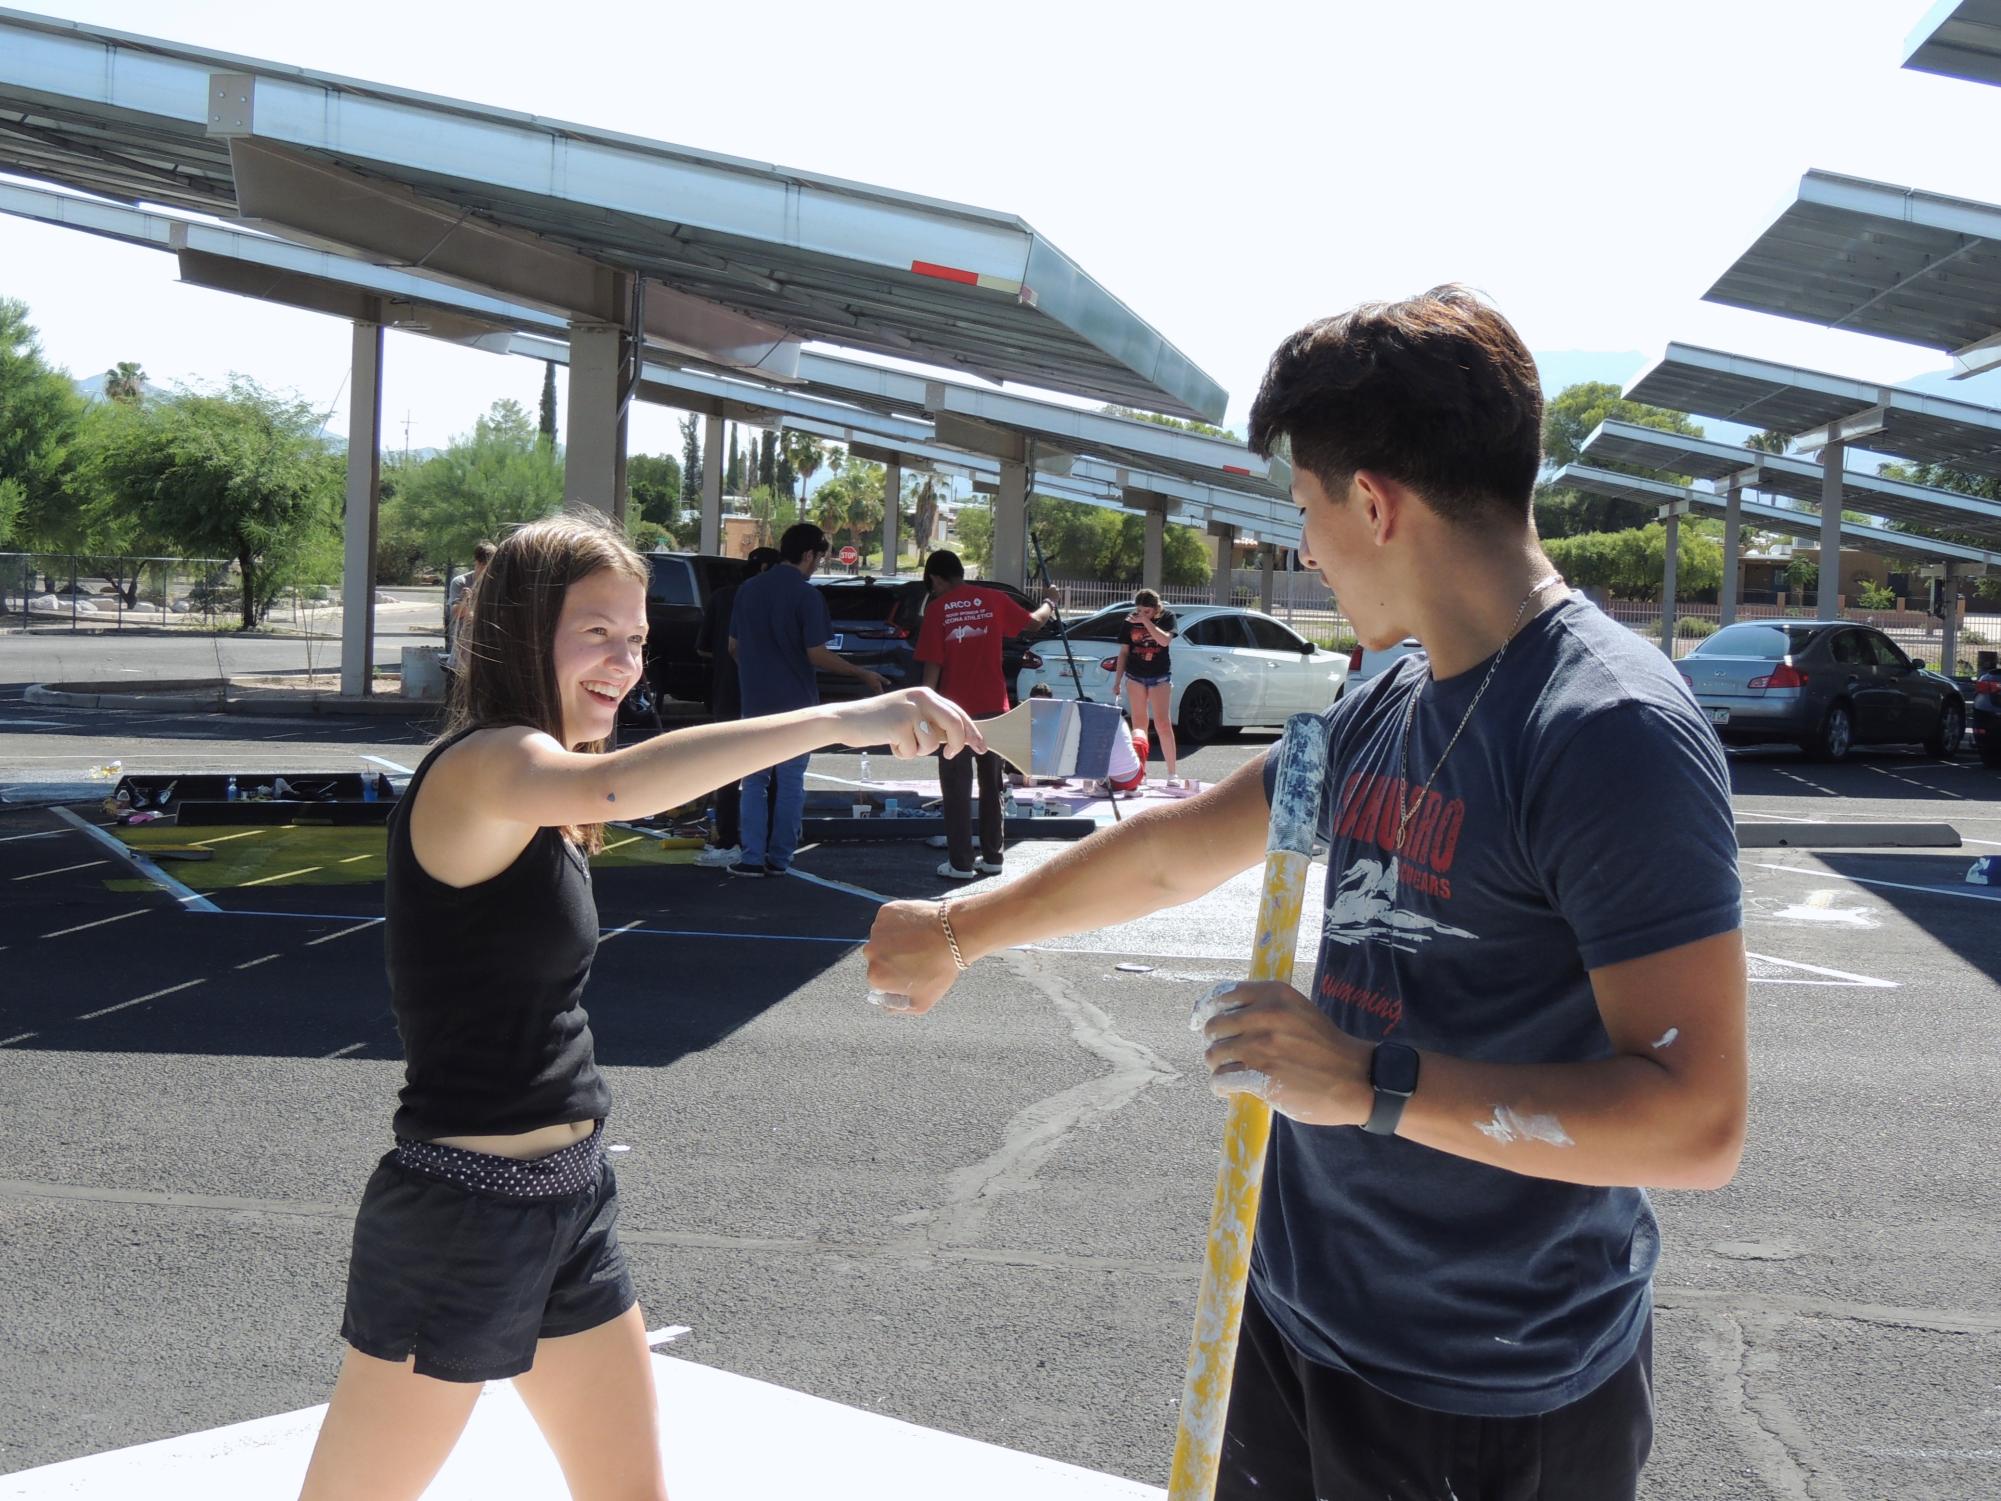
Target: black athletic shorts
465	1260
1297	1431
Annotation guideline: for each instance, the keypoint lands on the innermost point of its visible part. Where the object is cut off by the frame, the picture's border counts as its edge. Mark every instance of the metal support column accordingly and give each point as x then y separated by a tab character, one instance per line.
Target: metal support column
1010	560
892	514
1830	532
593	433
713	459
1733	533
1267	563
364	499
1152	565
1671	520
1948	594
1226	556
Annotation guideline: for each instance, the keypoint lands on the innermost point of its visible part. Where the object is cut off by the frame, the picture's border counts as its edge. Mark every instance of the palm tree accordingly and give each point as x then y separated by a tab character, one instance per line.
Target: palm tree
124	381
806	453
926	519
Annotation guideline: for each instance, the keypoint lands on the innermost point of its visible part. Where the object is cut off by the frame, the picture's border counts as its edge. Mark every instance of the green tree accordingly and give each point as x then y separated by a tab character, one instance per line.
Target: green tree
11	497
653	487
1630	564
498	475
691	458
239	473
924	515
124	381
805	453
773	511
548	413
40	418
1961	482
733	476
1570	417
1207	430
767	459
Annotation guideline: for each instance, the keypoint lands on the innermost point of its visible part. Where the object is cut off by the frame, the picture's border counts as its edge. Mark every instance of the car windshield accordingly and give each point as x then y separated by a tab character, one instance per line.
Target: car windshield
846	601
1751	639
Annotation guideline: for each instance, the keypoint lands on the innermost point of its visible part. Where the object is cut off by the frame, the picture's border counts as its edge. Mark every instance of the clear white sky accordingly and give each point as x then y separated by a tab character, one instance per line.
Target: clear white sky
1229	171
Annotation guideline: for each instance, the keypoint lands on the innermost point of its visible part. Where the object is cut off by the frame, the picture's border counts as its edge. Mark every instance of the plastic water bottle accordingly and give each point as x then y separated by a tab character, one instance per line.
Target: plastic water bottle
229	791
368	787
865	775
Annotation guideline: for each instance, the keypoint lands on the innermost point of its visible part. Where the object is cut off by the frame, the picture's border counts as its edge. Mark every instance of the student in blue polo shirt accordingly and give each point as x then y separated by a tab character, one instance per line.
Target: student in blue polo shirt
779	630
1530	996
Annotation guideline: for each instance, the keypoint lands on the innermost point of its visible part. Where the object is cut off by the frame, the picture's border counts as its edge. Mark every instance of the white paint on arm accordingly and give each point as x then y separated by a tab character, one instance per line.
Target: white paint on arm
1509	1126
1666	1039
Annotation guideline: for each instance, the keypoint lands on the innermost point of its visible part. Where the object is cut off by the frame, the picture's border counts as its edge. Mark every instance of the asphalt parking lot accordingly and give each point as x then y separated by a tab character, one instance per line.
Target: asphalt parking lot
986	1221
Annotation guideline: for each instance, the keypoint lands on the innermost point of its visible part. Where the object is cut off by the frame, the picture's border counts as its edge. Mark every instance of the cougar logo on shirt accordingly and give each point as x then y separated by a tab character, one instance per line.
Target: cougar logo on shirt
1365	907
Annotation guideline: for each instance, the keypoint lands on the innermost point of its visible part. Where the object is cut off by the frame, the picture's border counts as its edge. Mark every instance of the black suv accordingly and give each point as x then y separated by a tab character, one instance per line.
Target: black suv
871	631
679	591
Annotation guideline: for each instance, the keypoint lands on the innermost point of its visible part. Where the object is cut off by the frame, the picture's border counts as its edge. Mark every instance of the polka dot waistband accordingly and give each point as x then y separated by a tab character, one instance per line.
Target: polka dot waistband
570	1170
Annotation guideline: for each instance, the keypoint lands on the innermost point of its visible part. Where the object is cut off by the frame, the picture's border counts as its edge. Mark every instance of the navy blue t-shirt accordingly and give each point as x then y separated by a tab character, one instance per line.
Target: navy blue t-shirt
777	619
1582	820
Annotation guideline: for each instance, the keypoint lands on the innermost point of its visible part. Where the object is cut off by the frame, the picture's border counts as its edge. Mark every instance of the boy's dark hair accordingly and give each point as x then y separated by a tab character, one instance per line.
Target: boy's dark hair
1042	690
483	553
944	564
1437	392
801	538
758	559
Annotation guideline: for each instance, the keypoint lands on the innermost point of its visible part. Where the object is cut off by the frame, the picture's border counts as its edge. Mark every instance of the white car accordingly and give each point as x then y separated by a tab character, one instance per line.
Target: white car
1232	667
1364	664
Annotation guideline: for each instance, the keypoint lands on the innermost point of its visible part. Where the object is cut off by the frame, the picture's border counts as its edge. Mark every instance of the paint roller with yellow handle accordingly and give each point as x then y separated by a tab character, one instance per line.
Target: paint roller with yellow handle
1233	1216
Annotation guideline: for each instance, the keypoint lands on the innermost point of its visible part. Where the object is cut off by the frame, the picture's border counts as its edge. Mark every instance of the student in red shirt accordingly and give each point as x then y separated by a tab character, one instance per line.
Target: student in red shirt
960	648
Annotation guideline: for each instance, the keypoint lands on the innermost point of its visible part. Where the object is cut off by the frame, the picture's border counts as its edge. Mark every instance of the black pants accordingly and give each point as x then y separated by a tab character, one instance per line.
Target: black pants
955	781
1297	1431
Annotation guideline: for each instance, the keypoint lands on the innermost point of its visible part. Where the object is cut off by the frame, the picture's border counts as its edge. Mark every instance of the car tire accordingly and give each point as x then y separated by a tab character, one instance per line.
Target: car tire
1201	715
1835	737
1944	742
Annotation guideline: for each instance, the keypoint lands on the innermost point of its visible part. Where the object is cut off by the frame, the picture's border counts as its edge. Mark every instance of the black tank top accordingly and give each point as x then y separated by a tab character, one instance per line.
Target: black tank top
487	984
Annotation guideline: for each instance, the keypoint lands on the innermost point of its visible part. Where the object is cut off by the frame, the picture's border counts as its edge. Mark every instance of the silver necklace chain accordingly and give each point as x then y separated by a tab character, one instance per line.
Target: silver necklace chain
1410	714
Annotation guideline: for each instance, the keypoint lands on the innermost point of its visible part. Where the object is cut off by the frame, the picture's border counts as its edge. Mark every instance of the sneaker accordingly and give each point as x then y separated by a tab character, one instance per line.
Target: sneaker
952	872
748	871
776	870
714	855
937	841
987	867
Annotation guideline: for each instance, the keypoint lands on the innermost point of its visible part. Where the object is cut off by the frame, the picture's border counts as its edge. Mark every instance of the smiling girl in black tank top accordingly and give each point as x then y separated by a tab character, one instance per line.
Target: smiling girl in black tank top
486	1245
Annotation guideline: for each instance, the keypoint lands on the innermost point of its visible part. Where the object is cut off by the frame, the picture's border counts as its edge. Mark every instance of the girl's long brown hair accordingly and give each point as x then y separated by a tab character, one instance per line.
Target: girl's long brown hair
508	644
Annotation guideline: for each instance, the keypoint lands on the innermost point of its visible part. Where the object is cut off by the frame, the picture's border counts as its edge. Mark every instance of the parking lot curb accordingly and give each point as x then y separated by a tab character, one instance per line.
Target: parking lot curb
1766	836
208	700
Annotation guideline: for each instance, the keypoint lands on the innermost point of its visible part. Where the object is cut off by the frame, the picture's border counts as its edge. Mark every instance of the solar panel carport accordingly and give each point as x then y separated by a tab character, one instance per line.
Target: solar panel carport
630	243
1671	502
1960	39
1813	408
1922	268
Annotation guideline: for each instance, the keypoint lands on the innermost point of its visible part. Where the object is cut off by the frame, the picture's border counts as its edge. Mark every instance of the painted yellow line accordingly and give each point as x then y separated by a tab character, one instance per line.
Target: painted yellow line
225	838
620	845
284	875
352	858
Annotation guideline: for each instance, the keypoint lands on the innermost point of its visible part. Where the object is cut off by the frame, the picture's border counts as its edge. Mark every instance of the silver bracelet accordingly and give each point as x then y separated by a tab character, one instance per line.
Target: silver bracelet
945	922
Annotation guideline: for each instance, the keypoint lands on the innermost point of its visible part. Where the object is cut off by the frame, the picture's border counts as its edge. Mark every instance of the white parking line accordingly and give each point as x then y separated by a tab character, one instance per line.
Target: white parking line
344	932
138	999
65	932
191	900
57	871
1971	896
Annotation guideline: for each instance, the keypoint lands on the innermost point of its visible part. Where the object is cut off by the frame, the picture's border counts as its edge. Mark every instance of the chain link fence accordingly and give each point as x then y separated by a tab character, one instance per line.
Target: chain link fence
78	592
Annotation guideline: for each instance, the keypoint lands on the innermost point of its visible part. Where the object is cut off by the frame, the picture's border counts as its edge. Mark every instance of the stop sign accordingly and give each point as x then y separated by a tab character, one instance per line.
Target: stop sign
849	556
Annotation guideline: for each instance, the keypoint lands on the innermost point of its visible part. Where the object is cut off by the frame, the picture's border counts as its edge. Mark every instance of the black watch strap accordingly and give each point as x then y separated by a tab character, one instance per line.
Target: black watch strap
1393	1076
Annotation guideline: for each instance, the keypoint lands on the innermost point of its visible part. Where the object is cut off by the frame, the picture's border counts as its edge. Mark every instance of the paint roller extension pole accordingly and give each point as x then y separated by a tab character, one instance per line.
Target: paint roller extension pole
1233	1216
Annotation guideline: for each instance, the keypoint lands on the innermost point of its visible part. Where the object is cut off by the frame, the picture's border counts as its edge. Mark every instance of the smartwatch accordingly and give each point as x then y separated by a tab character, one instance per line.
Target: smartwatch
1393	1076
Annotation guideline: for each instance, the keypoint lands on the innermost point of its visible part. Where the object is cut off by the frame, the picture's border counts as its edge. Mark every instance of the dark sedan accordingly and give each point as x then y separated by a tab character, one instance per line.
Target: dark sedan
1826	686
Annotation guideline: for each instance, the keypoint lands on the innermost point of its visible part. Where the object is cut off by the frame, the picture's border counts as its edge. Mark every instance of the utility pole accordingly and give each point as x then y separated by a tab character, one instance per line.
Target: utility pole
406	436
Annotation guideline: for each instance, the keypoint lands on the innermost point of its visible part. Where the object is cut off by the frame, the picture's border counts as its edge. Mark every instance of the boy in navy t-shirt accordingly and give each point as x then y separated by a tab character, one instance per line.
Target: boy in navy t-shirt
1530	995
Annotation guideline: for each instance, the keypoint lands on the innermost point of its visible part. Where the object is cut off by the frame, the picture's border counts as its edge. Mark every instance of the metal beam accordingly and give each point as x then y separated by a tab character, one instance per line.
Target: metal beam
1867	423
364	504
